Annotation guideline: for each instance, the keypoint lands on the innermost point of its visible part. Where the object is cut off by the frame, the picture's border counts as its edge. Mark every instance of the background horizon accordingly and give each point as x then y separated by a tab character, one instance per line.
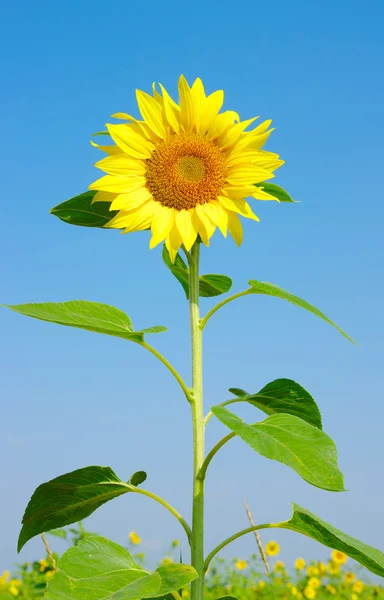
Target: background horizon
72	398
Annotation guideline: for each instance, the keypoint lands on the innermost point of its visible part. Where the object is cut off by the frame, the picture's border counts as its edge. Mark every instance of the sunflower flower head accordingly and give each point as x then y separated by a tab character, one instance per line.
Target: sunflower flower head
184	169
241	565
134	538
272	548
338	557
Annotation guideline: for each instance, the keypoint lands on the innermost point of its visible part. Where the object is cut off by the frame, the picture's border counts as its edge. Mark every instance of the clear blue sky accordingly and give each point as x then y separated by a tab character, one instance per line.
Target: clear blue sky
72	398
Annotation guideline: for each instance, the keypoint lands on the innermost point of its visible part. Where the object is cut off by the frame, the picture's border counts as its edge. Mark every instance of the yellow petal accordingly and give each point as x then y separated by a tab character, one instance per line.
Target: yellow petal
173	242
238	192
250	141
248	176
239	206
218	215
171	113
123	116
111	150
206	228
198	92
130	141
141	218
156	94
221	123
235	228
119	185
121	164
151	113
131	200
260	194
187	106
233	133
186	228
162	223
209	110
104	197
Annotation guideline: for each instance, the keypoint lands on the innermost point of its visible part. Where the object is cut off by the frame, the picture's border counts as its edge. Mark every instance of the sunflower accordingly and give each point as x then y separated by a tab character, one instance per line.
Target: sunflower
184	169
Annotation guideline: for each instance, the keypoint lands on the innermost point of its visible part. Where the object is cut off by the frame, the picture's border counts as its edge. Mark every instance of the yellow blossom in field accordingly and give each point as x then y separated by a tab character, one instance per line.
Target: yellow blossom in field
261	585
43	565
299	564
312	571
184	169
358	586
6	575
13	590
331	589
167	560
339	557
349	577
314	582
134	538
355	597
333	568
49	574
15	582
272	548
279	566
300	595
185	593
241	565
309	592
322	568
294	590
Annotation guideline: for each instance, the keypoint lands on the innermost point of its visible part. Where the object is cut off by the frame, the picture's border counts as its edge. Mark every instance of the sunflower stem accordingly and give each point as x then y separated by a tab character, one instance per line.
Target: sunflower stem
197	545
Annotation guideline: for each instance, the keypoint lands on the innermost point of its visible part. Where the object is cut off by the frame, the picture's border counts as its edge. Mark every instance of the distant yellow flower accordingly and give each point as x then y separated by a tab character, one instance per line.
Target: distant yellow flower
312	571
279	566
322	568
272	548
314	582
6	575
43	565
349	577
309	592
16	582
331	589
333	568
356	597
339	557
134	538
294	590
261	585
300	595
358	586
49	574
167	560
185	593
241	565
13	590
175	543
299	564
185	169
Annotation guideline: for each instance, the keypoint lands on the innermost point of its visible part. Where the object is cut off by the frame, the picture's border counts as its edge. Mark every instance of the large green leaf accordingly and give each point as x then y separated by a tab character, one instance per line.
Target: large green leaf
269	289
92	316
275	190
80	211
70	498
290	440
209	285
98	569
309	524
284	396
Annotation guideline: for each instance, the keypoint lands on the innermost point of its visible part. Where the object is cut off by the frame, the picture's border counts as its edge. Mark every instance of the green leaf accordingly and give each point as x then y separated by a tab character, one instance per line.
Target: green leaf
269	289
60	533
209	285
310	525
138	478
275	190
80	211
98	569
284	396
70	498
290	440
227	598
92	316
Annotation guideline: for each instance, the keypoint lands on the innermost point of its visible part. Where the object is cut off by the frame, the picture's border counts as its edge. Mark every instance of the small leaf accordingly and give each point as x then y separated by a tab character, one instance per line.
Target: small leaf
209	285
238	392
290	440
92	316
60	533
305	522
284	396
68	499
80	211
98	569
276	191
269	289
138	478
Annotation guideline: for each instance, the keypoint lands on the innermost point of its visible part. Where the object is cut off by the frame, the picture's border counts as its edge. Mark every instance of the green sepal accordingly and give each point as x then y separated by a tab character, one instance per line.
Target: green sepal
209	285
275	190
82	314
80	211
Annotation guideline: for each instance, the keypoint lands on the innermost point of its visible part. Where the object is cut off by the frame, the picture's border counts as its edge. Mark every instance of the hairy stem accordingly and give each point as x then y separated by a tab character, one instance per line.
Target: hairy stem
197	546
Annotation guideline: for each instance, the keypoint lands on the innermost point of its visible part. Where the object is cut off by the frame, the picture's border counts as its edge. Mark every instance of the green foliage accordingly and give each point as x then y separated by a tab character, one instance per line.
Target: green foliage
290	440
138	478
69	498
80	211
92	316
275	190
269	289
283	396
209	285
97	569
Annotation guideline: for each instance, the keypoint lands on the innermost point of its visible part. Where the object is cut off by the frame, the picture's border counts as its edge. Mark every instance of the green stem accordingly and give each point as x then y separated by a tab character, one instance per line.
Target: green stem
170	368
223	303
197	546
201	474
226	403
172	510
234	537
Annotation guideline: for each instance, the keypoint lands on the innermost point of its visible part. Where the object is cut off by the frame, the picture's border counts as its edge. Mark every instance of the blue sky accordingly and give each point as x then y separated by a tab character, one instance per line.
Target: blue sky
72	398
